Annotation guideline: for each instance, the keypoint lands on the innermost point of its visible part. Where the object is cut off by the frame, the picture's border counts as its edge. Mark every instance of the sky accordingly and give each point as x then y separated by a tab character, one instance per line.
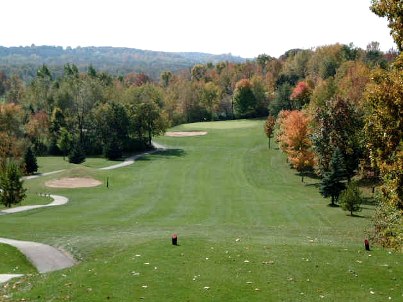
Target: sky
243	28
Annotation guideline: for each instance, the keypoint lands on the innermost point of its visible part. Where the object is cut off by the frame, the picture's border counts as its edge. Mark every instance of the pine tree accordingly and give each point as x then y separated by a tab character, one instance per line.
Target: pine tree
30	163
350	198
332	183
11	189
77	155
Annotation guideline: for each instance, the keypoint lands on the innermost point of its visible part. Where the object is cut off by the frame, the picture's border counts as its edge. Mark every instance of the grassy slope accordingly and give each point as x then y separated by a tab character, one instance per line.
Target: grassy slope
13	262
211	190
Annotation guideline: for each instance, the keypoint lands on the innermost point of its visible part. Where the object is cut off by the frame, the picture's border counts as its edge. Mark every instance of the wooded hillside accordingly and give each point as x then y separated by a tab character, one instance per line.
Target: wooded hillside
25	61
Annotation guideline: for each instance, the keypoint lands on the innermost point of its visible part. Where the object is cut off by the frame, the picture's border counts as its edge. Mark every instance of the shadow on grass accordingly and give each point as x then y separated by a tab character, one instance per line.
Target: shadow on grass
164	154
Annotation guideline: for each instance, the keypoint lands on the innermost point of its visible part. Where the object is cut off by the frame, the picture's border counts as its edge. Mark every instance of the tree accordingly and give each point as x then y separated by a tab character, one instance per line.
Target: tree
296	143
166	77
281	100
262	61
269	127
11	185
145	113
198	72
338	125
244	99
112	128
65	141
37	130
383	132
351	199
301	94
392	10
30	163
332	182
77	154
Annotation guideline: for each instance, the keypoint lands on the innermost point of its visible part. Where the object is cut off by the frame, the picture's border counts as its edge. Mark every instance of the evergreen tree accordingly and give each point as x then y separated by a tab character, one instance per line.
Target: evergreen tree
76	155
11	189
30	163
332	183
350	198
112	149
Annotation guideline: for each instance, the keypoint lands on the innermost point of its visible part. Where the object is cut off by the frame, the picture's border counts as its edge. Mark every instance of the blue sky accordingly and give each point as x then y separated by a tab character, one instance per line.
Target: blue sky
246	28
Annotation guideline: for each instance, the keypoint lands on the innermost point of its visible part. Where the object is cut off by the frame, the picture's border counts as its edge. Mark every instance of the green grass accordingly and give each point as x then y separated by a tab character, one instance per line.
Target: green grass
13	262
230	200
31	199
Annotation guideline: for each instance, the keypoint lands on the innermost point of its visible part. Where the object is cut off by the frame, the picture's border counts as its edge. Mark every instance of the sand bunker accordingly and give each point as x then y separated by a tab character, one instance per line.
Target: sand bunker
73	182
185	133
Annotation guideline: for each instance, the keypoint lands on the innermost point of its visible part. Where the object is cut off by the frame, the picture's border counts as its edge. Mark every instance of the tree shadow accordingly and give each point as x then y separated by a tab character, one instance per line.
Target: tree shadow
356	216
163	154
315	184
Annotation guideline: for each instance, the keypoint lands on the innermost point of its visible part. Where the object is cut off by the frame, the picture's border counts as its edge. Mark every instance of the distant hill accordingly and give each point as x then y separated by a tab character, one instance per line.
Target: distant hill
24	61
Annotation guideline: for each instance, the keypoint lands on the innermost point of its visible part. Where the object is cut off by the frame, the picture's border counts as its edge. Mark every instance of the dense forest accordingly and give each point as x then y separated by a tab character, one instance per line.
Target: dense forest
335	110
25	61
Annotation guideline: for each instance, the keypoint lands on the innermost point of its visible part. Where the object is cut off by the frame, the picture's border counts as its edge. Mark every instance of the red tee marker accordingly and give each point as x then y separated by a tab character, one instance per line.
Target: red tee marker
174	239
366	243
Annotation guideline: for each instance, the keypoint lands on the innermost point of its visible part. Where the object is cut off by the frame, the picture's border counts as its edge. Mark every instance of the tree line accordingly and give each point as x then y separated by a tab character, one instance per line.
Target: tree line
346	125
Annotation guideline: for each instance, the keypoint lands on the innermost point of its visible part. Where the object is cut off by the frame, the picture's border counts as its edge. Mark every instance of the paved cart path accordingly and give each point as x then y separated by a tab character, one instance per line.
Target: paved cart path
44	257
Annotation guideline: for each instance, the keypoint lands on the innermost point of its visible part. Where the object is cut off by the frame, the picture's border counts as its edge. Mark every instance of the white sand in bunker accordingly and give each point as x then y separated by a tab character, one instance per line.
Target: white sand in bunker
73	182
185	133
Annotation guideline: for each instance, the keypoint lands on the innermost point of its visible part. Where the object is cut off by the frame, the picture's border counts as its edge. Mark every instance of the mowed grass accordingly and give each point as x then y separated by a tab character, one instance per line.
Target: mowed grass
13	262
248	229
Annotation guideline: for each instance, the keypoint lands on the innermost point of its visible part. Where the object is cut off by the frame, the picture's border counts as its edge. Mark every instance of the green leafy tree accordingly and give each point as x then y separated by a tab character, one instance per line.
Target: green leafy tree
112	127
338	125
198	72
11	185
333	181
392	10
281	100
145	113
383	133
244	99
262	61
30	162
210	95
65	141
351	199
166	77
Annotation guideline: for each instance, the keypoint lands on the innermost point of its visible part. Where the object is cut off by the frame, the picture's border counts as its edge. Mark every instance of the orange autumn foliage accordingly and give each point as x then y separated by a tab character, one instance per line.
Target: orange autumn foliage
294	139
